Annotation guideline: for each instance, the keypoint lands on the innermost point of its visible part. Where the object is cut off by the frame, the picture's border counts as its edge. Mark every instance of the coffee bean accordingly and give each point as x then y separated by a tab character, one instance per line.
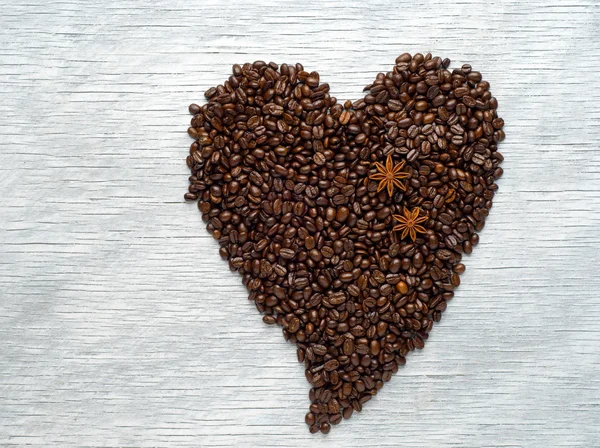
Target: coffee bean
335	418
294	325
282	174
348	347
319	349
330	365
288	254
327	252
402	287
337	298
345	117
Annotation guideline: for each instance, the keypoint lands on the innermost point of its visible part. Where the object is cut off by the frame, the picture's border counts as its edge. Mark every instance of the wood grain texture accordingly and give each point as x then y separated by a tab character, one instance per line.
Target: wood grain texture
121	326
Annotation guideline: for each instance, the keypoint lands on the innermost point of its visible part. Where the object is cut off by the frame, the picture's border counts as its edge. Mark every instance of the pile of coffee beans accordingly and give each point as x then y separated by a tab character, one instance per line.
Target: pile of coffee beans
282	175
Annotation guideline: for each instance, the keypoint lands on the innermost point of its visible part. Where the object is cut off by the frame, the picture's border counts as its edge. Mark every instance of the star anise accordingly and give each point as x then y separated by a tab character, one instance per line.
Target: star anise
409	223
389	175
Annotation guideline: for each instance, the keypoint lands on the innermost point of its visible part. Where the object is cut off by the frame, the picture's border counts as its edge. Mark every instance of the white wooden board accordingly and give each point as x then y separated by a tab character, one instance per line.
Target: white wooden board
121	326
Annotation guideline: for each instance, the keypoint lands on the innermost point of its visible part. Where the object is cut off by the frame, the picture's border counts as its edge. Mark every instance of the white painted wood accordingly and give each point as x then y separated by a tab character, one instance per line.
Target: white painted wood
121	326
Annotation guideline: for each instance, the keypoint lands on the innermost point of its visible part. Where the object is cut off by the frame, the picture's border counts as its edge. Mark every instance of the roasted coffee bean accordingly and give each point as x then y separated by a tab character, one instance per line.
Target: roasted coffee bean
285	179
319	349
288	254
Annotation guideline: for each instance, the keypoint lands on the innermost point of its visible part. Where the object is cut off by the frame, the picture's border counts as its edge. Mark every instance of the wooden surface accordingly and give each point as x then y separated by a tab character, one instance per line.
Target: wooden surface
121	326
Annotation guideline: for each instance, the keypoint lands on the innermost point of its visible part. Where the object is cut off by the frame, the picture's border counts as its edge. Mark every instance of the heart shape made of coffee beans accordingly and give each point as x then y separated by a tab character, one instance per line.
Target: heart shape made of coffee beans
347	222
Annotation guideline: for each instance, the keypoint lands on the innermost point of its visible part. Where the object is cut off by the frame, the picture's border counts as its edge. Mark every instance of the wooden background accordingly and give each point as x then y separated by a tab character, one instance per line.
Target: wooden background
121	326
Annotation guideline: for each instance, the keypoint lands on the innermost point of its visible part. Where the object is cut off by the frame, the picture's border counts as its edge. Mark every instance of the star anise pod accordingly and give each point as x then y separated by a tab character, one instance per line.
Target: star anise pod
389	175
409	223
